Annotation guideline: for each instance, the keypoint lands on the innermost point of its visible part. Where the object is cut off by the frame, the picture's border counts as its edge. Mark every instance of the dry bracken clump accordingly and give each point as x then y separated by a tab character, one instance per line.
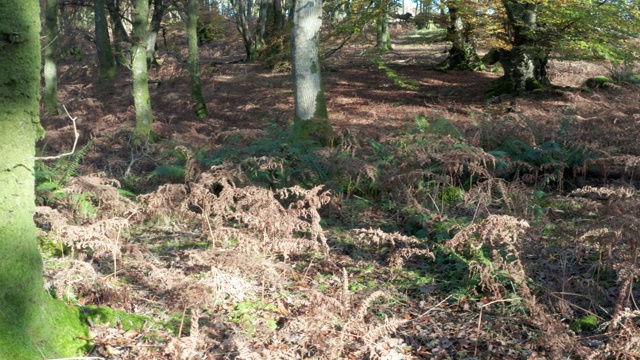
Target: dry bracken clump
498	238
402	247
286	221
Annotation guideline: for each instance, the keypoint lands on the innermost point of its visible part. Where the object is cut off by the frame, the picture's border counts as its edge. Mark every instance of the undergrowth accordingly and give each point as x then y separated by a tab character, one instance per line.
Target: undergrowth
272	247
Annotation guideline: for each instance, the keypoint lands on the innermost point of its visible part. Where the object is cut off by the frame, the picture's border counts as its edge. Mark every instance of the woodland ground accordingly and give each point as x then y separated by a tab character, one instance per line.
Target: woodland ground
454	227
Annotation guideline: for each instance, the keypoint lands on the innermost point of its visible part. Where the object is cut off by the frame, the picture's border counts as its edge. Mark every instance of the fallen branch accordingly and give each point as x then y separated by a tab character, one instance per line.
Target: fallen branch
75	142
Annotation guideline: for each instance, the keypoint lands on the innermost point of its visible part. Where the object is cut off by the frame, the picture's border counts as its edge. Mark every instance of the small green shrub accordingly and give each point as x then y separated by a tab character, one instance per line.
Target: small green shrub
586	323
622	74
210	27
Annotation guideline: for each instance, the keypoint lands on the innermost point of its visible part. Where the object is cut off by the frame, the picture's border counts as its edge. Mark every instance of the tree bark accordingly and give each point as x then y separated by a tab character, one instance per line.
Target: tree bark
307	82
463	54
311	120
525	64
252	37
106	61
139	74
30	320
120	36
159	9
194	64
383	37
50	71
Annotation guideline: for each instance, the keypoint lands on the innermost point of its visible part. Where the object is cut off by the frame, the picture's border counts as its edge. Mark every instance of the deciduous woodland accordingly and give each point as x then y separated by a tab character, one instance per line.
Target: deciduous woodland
241	179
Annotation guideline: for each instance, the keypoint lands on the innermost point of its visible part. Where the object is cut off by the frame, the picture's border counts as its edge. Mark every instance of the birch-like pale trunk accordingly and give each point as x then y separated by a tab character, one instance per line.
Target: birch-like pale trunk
307	82
139	74
50	71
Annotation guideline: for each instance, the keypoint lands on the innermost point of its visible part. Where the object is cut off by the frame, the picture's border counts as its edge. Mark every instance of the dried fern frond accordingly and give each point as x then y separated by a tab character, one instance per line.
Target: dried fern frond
375	334
105	191
501	233
210	288
604	193
402	247
103	236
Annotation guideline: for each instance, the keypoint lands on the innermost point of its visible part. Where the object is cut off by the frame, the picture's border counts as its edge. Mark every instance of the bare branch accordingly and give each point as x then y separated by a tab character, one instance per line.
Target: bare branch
75	141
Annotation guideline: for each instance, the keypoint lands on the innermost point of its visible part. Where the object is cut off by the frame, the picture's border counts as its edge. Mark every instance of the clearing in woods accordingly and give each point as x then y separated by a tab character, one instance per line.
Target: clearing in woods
453	228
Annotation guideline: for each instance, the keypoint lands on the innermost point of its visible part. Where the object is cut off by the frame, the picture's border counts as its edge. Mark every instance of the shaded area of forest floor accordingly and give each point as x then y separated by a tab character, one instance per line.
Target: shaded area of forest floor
423	156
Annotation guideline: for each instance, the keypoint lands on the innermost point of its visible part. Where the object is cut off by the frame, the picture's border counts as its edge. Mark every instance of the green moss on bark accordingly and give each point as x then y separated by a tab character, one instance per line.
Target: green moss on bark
317	130
139	74
32	325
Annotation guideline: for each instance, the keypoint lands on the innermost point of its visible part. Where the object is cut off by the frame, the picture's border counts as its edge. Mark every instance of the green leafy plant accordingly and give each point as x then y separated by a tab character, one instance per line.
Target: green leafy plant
253	314
50	179
624	74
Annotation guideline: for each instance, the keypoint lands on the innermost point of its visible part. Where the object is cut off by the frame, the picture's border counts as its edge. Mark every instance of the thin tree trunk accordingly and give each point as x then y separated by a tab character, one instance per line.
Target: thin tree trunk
278	15
252	39
159	9
383	37
194	64
50	72
120	36
142	101
106	61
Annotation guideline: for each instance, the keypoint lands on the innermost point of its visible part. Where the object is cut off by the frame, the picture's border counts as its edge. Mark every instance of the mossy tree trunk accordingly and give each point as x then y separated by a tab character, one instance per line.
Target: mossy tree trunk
120	36
159	9
383	37
50	71
29	317
106	61
463	54
252	36
311	116
525	64
194	63
139	73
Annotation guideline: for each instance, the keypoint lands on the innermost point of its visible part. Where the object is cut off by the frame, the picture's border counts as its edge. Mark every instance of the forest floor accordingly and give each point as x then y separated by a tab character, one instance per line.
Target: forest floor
441	225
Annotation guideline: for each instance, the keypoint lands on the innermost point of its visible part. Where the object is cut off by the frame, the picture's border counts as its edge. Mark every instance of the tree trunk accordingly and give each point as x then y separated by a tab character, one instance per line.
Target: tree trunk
309	96
194	65
383	38
463	54
120	37
525	64
50	72
159	9
32	324
106	61
311	116
141	99
252	38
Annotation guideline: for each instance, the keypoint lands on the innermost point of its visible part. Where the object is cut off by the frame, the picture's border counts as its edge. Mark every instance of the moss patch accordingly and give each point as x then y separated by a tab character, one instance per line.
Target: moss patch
317	130
71	334
114	318
597	82
587	323
126	321
67	336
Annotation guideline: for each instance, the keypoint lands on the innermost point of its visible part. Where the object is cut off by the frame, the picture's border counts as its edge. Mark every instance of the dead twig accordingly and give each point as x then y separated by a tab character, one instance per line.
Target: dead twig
75	141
